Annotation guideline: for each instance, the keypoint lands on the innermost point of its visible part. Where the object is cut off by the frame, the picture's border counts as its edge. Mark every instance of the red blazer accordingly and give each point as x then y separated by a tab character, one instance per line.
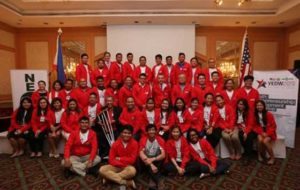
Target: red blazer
36	96
248	123
170	120
133	118
199	93
232	102
137	72
15	126
74	147
124	93
229	121
141	94
208	77
143	142
187	119
251	97
81	72
172	153
104	73
42	126
171	76
160	94
197	119
208	152
218	89
214	116
113	93
70	123
194	76
270	128
127	155
186	94
65	97
51	95
128	70
82	96
116	72
162	70
85	111
186	69
145	121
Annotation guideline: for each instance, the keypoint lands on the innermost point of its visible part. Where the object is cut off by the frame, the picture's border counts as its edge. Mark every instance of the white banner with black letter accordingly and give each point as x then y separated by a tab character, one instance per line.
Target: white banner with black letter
279	89
25	81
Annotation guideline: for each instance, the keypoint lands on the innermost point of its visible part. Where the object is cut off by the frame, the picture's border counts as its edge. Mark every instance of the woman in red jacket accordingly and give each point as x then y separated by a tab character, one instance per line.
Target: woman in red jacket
55	131
56	91
265	127
183	117
149	115
19	130
230	133
70	118
165	119
229	93
202	152
210	115
42	120
196	112
244	123
177	150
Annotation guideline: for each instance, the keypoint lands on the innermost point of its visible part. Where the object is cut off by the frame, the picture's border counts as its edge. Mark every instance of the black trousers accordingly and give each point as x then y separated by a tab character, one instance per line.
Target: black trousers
214	137
154	176
192	168
36	143
221	168
12	135
248	143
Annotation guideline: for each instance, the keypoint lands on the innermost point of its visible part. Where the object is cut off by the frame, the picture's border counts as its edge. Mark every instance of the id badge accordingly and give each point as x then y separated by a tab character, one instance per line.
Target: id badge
42	119
161	133
68	97
181	120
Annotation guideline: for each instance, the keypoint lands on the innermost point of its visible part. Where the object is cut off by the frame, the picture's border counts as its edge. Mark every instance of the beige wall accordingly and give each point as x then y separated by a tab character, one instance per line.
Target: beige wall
37	56
265	56
7	60
293	53
201	45
100	44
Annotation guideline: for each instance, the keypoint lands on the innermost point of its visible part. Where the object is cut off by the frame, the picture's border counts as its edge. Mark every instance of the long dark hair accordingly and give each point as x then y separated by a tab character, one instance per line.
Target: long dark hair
264	112
68	111
226	81
175	107
53	102
21	111
172	129
57	82
39	109
169	111
246	110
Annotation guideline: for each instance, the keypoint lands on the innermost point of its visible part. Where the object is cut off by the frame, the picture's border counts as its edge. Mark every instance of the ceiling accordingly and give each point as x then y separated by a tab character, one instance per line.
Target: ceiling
67	13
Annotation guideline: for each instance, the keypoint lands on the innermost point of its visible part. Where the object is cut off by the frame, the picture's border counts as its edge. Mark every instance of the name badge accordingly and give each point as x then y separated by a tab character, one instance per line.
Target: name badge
68	97
181	120
42	119
161	133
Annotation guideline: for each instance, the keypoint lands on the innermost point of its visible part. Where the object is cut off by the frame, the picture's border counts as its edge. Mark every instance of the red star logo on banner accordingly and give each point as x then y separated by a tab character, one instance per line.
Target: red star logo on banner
261	83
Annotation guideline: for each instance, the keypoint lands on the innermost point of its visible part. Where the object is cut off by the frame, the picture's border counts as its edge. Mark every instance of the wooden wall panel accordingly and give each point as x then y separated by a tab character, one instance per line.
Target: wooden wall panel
7	62
265	56
37	55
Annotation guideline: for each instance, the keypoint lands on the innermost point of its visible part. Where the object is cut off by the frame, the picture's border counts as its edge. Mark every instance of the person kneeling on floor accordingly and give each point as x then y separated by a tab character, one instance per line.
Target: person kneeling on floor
81	151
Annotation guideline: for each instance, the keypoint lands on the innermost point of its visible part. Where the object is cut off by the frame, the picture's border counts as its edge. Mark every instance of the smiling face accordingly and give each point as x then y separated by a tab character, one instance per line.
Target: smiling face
179	104
43	104
92	99
194	138
151	132
201	79
126	135
109	100
175	133
82	83
57	105
150	105
41	85
209	99
194	104
211	63
182	79
240	106
100	64
260	106
142	62
85	59
220	102
57	86
128	82
119	58
84	125
181	58
72	105
68	85
248	83
26	104
107	57
194	63
165	105
130	103
130	58
229	85
114	84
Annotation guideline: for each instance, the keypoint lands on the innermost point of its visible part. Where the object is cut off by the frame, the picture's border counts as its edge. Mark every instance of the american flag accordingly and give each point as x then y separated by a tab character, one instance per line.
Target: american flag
245	68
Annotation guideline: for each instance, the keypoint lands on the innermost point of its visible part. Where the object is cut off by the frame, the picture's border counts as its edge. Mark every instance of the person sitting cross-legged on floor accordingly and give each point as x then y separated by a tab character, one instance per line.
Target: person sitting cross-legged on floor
81	151
203	153
122	157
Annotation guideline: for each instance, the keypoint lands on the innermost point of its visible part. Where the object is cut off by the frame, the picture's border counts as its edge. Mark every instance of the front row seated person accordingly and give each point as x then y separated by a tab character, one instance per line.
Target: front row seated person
122	157
202	152
81	151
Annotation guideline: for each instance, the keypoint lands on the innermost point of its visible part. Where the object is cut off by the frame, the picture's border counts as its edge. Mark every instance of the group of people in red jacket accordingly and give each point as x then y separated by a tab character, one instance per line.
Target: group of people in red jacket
163	120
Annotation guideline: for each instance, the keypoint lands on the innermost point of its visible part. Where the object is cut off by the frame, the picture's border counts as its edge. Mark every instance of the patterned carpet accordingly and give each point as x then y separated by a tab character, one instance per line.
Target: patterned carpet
45	173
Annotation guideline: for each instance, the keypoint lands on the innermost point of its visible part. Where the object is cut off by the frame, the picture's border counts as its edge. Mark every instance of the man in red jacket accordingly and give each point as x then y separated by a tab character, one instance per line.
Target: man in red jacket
122	157
141	91
84	70
128	66
116	69
81	151
182	67
182	90
82	93
212	68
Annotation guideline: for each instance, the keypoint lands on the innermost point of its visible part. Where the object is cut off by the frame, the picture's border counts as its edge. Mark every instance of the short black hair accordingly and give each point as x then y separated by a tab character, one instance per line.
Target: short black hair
195	99
84	54
84	118
188	135
219	96
100	77
142	57
71	80
143	75
207	94
158	56
169	57
201	74
150	126
93	94
127	127
105	53
119	54
128	54
181	53
41	81
247	77
215	72
57	82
